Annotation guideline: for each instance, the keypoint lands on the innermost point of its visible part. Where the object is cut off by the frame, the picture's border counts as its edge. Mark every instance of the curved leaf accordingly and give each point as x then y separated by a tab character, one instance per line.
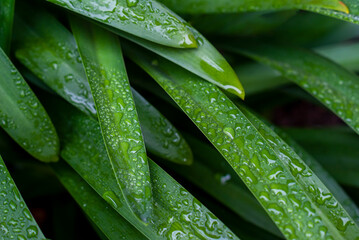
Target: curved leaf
16	220
204	61
22	115
352	15
105	68
110	223
285	186
176	213
333	85
6	20
147	19
49	50
225	6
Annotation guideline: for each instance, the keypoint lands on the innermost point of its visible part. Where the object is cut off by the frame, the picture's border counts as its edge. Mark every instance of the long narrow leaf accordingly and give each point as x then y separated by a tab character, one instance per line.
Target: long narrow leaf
285	186
49	50
205	61
144	18
107	219
22	115
213	6
16	220
106	73
177	214
6	20
333	85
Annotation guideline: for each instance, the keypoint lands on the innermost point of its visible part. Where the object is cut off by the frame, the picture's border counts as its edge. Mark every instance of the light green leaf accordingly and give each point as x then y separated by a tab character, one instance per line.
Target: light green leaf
6	20
204	61
111	224
105	68
147	19
22	115
352	15
330	83
225	6
16	220
176	213
49	50
285	186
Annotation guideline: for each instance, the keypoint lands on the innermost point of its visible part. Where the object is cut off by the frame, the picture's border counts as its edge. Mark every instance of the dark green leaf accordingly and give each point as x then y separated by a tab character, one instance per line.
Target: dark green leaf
107	219
225	6
330	83
6	20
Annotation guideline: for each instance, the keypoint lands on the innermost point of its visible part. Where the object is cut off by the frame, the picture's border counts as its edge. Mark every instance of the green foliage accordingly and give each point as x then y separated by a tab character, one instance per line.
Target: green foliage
221	169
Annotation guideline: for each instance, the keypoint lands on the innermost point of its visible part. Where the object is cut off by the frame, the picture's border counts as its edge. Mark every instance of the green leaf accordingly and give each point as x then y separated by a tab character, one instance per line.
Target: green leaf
330	83
225	6
352	15
335	148
22	115
97	209
324	176
105	68
174	147
6	20
176	213
285	186
204	61
210	173
257	77
49	50
147	19
16	220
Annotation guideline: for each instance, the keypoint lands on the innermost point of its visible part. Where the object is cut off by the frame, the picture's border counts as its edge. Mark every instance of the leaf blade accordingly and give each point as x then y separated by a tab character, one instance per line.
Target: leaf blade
22	115
6	22
146	19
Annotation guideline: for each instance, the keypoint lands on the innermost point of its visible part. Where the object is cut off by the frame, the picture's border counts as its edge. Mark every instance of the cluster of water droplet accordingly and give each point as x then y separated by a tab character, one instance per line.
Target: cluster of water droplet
16	221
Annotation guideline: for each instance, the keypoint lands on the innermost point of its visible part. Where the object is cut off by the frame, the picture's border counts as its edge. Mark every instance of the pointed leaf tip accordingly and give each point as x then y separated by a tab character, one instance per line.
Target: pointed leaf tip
343	8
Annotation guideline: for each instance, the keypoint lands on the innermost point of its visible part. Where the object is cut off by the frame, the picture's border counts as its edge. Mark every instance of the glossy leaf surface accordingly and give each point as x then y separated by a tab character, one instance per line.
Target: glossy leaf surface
105	68
22	115
49	51
176	213
16	220
213	6
109	222
147	19
285	186
204	61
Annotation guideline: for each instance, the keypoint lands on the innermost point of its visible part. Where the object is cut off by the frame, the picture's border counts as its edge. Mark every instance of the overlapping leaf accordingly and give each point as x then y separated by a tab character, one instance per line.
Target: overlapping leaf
147	19
22	115
177	214
333	85
109	222
49	50
16	220
105	69
285	186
